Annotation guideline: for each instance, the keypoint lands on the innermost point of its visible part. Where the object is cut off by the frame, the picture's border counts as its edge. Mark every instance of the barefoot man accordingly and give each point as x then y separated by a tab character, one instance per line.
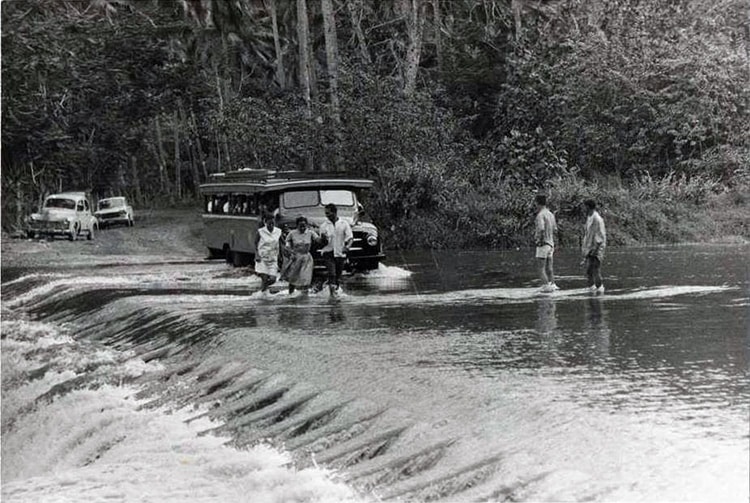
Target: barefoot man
545	243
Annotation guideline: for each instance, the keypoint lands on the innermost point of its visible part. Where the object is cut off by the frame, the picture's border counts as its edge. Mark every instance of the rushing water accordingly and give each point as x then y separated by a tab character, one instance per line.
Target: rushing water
443	376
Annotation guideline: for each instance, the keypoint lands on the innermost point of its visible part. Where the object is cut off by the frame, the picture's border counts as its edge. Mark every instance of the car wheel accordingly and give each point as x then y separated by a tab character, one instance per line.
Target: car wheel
90	235
31	234
73	234
131	222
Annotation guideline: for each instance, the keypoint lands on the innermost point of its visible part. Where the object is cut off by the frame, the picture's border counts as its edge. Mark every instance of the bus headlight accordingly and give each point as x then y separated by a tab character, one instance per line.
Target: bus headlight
372	240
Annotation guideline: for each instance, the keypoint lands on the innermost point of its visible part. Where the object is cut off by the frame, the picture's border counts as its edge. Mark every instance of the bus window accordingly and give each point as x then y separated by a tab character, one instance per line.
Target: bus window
253	203
219	204
337	197
300	199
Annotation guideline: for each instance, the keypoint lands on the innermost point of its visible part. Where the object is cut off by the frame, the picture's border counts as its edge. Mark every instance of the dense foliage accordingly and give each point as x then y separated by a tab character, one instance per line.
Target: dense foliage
642	105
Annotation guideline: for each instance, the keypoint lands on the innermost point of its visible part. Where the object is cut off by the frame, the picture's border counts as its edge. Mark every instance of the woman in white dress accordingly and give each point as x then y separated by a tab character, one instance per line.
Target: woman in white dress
267	252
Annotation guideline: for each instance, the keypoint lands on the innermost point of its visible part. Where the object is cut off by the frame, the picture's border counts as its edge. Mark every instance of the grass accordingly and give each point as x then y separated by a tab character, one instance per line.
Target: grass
428	208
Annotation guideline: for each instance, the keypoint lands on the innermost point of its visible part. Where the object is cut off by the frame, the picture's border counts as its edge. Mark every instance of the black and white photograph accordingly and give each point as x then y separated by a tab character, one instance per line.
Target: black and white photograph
323	251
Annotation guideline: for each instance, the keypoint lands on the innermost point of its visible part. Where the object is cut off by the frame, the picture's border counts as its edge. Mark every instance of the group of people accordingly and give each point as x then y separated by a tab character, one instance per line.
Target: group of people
335	235
592	247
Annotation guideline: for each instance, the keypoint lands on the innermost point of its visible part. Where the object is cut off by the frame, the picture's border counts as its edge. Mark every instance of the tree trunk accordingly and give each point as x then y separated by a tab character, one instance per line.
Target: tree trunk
280	75
136	180
218	153
355	12
303	35
516	7
329	28
415	26
177	158
199	146
161	158
436	19
19	204
193	153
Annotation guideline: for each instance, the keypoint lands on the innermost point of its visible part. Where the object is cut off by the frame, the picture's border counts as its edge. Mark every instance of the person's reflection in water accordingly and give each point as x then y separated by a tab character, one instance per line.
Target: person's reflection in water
293	317
546	316
336	314
546	327
596	327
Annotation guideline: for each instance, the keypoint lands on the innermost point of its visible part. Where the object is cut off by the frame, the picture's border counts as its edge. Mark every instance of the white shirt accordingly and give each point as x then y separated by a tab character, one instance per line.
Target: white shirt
545	228
338	235
595	237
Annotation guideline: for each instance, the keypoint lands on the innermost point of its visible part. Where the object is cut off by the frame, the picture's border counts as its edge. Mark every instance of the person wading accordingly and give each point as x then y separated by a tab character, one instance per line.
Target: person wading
298	268
338	234
267	252
545	243
594	242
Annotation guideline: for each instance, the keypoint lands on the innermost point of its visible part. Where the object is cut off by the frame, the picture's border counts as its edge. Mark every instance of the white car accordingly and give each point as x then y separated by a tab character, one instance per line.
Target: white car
114	210
66	214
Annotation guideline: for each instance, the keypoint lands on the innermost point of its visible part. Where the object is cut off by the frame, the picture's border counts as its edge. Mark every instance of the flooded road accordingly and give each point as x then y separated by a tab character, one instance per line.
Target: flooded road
442	376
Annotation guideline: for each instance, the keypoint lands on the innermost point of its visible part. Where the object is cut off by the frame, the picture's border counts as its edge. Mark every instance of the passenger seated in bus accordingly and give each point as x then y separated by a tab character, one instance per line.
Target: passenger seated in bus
238	207
269	204
267	247
217	204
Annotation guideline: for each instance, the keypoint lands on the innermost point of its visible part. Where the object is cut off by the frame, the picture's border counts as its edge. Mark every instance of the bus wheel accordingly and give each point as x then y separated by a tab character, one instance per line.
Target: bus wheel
227	254
241	259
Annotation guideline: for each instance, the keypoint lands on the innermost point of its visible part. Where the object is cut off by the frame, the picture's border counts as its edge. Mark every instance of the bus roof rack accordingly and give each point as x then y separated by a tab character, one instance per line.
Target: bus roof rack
265	175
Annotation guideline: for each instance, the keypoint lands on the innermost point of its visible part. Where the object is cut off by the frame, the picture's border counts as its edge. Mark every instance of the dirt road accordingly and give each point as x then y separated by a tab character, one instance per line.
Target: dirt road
157	235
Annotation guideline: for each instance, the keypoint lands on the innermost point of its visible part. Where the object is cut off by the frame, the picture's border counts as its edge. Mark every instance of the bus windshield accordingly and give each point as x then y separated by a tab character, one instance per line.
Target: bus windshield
311	198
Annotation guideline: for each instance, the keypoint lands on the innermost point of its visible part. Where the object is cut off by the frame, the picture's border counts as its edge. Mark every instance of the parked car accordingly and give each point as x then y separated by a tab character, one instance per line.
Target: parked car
114	210
66	214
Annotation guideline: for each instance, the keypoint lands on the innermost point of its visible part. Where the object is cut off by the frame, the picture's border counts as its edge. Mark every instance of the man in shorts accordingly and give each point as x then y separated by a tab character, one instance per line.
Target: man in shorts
545	229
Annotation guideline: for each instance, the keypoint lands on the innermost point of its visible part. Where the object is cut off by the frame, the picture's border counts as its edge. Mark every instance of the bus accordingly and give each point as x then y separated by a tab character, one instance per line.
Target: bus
234	202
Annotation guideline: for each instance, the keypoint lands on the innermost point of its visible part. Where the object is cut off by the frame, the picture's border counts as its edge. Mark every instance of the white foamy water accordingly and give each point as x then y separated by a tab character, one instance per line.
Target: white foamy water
95	444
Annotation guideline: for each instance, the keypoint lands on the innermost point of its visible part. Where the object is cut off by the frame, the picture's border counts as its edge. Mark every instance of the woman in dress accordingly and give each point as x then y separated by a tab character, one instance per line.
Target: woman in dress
298	267
267	252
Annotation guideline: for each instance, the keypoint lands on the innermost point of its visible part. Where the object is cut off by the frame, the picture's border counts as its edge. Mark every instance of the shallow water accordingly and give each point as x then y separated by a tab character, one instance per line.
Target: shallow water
444	376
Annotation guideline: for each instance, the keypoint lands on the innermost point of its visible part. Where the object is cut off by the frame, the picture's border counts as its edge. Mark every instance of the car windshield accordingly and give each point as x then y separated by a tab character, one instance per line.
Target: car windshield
106	204
310	198
59	202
